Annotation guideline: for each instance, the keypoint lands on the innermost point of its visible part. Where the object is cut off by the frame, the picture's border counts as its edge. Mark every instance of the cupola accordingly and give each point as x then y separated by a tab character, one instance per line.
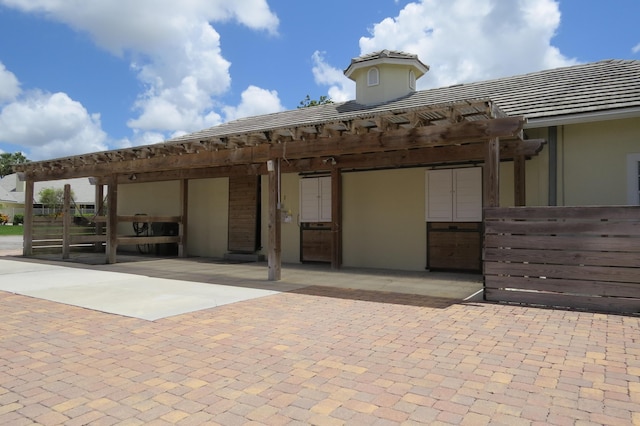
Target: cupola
385	75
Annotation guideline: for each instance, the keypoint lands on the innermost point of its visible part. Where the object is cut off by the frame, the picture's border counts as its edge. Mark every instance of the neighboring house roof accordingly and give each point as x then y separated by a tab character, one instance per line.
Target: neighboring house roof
83	191
611	85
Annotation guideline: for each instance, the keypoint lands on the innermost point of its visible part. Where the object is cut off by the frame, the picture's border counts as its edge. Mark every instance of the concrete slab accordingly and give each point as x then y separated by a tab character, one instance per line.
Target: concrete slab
131	295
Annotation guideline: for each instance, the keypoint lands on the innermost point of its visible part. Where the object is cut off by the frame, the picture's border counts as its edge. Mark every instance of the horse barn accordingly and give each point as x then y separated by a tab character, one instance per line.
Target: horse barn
474	177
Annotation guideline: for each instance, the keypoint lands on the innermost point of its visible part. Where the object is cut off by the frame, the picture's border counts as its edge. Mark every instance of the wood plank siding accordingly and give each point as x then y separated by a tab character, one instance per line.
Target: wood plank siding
581	257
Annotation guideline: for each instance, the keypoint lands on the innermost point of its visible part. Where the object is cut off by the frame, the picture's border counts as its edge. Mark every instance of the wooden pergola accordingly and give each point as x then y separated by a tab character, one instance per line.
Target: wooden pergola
473	131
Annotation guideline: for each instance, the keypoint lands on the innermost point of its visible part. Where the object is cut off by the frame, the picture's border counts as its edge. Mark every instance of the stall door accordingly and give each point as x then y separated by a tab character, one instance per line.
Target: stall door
244	214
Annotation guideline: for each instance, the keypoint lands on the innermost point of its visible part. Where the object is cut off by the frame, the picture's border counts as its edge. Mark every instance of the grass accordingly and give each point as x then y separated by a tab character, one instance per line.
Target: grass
11	230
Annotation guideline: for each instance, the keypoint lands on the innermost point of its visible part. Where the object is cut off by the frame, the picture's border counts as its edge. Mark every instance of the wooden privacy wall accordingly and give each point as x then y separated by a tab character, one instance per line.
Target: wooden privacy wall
579	257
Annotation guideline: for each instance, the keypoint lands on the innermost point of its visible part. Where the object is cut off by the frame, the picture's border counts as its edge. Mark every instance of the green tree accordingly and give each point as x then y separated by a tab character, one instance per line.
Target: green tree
8	159
308	102
52	198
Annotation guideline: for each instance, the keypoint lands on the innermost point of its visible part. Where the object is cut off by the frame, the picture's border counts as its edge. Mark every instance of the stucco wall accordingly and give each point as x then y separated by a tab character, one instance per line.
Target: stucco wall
290	232
383	219
208	217
158	199
592	161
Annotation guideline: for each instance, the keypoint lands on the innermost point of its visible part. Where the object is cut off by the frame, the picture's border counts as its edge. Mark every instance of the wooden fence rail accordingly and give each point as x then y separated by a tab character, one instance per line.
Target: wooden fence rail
577	257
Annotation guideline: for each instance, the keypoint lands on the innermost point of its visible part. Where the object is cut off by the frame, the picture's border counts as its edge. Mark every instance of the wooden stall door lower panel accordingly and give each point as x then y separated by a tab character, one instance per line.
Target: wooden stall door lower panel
244	214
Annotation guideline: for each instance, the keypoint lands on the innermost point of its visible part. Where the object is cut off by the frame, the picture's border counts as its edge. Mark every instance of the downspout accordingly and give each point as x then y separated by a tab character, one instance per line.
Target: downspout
553	166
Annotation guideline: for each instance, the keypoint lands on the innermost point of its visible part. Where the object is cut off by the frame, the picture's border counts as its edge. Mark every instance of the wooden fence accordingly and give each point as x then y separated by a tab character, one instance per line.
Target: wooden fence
577	257
49	234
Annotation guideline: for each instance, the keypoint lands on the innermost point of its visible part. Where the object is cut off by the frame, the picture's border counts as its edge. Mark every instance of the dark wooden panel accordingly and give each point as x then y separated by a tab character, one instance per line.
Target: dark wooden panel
316	245
577	264
244	214
596	288
605	304
454	246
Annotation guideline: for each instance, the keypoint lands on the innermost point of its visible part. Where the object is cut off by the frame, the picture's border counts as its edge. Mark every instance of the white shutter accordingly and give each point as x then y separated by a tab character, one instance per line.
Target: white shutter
467	203
309	193
439	197
454	195
325	199
315	199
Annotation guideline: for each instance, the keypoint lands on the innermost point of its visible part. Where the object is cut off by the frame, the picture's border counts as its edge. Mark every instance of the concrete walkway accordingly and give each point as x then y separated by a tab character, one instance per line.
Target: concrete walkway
317	354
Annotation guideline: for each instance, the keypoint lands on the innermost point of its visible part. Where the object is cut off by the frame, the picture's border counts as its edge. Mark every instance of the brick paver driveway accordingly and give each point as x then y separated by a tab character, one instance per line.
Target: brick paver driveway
318	356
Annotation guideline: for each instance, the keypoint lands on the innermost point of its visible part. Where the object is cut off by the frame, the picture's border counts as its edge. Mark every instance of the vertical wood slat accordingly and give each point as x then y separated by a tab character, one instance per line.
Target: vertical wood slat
519	179
184	212
112	219
274	254
491	181
66	222
336	219
99	206
27	239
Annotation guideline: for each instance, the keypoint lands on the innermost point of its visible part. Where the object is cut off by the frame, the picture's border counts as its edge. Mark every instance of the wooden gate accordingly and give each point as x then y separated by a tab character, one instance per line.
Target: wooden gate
582	257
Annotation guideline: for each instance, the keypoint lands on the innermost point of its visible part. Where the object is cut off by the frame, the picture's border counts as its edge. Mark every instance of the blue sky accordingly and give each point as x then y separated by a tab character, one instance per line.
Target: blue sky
85	76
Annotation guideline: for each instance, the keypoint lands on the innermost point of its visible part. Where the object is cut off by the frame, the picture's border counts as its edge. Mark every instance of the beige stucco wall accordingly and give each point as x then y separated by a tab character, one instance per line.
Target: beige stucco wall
383	219
154	199
208	217
290	232
592	161
394	83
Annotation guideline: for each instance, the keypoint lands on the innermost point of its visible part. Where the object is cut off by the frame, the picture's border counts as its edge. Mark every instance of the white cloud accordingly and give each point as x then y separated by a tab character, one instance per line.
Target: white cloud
341	89
9	85
51	125
636	48
174	50
255	101
462	41
470	40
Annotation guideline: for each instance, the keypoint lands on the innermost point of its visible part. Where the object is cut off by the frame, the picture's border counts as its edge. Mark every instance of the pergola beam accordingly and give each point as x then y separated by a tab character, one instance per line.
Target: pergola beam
347	144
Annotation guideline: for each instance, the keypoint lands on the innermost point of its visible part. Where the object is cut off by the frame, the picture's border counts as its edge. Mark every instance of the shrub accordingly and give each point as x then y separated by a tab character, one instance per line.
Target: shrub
3	219
18	219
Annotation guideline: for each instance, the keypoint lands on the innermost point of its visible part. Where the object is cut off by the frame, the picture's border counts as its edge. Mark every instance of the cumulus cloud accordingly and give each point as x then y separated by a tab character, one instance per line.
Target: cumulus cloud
9	85
174	51
51	125
341	89
466	40
255	101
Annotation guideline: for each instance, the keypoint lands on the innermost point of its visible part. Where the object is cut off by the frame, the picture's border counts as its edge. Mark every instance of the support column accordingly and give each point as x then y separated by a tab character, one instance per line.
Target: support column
491	172
519	179
184	217
99	211
112	219
336	219
275	237
553	165
66	222
27	239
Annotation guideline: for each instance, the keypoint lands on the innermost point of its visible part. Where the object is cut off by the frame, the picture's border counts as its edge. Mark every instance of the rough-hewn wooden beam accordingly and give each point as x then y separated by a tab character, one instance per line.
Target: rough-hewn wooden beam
392	140
27	239
274	246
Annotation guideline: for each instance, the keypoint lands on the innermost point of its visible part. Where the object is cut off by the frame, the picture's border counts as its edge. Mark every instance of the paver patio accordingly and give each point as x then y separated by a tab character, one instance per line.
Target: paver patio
319	355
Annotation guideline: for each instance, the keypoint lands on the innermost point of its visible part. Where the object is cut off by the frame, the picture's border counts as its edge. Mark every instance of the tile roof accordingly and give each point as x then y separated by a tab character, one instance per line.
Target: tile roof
598	86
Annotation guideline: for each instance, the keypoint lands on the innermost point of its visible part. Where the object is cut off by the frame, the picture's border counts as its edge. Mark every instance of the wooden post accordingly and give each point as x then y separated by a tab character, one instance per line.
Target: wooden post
27	239
274	255
491	190
66	222
99	211
112	219
336	219
519	179
184	214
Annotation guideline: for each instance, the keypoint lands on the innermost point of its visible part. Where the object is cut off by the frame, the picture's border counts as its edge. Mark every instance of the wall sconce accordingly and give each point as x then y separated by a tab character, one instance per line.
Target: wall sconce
133	177
330	160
